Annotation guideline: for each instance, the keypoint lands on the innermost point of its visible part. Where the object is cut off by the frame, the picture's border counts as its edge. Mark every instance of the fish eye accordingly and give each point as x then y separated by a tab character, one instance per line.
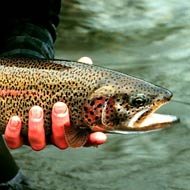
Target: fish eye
138	100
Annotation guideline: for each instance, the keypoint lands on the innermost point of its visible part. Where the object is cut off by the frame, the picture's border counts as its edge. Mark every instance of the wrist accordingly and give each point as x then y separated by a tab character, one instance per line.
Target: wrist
16	182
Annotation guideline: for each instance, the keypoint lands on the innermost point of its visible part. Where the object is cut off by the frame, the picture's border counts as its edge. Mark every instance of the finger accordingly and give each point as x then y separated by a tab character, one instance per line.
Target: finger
96	138
36	132
60	119
12	133
86	60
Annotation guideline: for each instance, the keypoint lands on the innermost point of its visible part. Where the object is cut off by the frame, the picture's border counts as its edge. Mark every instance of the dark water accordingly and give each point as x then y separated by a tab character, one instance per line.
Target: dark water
147	39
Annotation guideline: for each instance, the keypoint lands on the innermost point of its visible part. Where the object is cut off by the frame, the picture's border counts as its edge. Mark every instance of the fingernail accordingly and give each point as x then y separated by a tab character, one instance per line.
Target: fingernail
36	112
60	108
14	123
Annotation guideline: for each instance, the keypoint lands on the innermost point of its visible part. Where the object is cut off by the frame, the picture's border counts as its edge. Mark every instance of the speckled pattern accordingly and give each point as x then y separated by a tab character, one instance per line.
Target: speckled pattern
84	88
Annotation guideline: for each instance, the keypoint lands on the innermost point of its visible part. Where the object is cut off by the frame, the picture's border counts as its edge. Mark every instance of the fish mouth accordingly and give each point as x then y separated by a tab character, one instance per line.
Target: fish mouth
152	122
147	119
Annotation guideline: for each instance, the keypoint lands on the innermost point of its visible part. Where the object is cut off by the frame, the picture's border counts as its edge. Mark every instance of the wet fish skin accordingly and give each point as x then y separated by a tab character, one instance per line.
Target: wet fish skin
95	96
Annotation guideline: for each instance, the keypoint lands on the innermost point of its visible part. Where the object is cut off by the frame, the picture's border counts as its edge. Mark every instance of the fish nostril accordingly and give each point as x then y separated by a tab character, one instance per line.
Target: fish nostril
168	95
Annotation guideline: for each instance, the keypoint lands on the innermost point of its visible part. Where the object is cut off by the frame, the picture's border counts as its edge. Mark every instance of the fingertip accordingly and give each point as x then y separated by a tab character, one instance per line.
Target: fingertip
60	115
86	60
36	131
60	108
12	133
14	124
97	138
60	119
35	113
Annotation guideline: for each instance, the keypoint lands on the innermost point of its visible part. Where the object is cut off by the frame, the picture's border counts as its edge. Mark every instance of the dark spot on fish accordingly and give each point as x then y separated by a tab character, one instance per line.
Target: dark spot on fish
92	103
116	120
91	113
99	105
97	118
85	108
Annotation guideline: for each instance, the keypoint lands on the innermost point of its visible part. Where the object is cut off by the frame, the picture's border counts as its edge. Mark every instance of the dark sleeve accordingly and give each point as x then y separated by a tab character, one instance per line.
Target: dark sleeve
40	12
28	27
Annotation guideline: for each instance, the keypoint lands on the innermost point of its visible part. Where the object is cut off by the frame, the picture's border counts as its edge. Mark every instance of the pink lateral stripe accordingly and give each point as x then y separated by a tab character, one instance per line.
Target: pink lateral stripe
12	92
19	92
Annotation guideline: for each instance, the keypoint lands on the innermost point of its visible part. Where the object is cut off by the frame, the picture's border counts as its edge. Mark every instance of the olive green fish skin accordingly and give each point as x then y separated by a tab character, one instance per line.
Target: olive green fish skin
28	82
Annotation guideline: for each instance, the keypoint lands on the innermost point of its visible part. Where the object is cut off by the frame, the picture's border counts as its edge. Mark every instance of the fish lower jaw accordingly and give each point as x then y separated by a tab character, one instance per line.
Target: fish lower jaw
157	121
153	121
147	119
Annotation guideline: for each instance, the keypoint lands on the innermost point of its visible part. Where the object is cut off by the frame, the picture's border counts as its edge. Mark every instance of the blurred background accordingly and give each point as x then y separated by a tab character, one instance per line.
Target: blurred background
147	39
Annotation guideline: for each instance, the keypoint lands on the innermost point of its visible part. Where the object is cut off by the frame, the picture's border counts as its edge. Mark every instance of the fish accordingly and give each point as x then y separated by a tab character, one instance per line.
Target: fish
99	99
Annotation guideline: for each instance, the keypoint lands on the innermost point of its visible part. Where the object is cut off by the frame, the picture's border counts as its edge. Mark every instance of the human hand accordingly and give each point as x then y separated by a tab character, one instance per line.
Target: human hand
36	132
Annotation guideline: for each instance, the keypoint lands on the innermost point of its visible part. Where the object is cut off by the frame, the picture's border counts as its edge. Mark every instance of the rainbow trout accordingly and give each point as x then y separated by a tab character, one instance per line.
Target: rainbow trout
99	99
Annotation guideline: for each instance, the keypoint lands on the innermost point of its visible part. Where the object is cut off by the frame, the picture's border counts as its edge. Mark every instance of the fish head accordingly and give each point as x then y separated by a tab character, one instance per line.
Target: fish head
127	104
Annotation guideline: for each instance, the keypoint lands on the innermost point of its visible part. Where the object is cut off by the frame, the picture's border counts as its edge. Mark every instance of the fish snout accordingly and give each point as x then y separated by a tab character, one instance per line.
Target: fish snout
167	95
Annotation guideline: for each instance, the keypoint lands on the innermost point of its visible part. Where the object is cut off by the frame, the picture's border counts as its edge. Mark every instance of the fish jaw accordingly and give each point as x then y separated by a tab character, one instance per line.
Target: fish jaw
152	123
147	120
158	121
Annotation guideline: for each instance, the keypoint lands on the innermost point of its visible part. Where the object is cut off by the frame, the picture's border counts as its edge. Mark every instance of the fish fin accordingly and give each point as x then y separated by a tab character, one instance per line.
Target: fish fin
75	136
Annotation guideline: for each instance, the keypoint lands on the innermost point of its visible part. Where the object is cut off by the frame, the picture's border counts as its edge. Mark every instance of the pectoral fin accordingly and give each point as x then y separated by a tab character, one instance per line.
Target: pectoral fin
75	136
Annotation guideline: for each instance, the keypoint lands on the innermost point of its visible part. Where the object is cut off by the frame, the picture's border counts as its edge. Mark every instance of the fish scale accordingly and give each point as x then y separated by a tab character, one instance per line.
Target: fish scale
28	82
